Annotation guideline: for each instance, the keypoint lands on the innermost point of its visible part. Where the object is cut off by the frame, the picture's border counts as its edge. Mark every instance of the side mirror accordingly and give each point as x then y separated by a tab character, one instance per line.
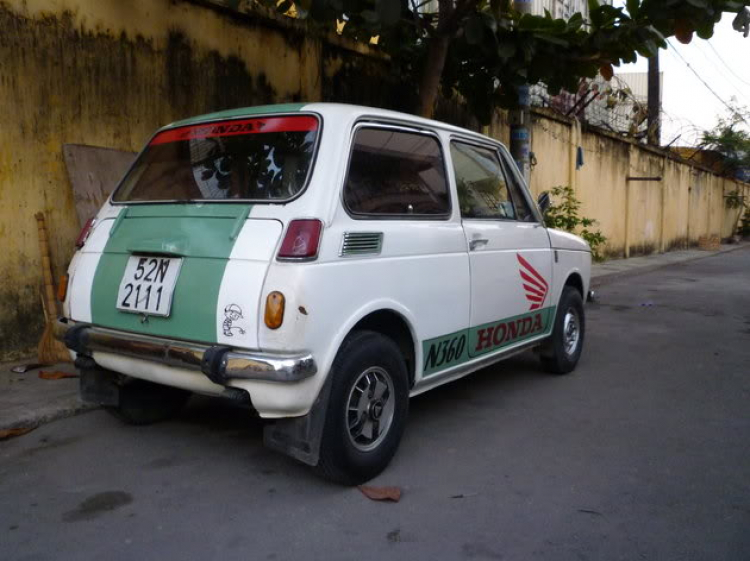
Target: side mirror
543	201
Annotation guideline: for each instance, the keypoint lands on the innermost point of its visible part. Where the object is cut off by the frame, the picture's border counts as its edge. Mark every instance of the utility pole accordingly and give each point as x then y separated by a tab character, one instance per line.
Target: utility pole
520	119
654	101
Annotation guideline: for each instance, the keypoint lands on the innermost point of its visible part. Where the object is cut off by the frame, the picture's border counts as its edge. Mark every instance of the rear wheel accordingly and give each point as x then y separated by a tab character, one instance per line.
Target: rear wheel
367	409
144	403
561	353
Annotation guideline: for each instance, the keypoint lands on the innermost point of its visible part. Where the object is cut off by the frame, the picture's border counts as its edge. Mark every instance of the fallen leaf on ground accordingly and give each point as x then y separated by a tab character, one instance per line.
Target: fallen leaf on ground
22	368
56	375
381	493
5	434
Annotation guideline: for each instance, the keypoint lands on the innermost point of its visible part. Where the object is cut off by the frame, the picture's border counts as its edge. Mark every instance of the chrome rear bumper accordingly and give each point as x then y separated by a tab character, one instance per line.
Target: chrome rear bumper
219	363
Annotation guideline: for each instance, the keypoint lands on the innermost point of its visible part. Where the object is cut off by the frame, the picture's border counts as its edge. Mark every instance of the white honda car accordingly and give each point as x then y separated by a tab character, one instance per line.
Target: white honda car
319	263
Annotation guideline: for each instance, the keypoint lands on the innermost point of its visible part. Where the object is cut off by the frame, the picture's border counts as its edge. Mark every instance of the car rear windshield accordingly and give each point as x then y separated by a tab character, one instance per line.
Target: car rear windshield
258	159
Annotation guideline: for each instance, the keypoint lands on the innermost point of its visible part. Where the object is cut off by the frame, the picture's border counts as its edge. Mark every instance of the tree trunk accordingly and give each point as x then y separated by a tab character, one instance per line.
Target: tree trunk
429	82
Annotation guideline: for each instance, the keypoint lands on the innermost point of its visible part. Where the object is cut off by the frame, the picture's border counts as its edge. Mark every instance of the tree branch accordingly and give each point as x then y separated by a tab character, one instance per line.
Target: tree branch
450	22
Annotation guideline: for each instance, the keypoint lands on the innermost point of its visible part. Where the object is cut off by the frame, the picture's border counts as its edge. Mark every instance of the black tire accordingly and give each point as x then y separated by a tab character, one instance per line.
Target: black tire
145	403
366	360
557	357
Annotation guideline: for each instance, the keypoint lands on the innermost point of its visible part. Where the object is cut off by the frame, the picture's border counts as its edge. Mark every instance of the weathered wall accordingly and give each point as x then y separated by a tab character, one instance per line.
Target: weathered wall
108	73
637	215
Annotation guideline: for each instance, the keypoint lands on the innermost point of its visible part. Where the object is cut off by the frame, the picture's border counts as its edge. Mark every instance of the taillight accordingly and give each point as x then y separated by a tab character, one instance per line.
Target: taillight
85	232
302	240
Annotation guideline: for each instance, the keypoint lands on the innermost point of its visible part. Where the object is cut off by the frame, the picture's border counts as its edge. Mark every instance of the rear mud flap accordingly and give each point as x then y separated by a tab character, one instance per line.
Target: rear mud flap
98	386
299	437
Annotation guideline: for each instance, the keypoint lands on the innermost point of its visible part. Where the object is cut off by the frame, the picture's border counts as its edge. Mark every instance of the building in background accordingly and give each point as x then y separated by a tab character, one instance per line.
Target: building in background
630	113
562	8
619	105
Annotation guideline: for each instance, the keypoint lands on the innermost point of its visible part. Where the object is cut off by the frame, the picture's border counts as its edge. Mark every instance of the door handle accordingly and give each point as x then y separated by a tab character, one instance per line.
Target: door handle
476	243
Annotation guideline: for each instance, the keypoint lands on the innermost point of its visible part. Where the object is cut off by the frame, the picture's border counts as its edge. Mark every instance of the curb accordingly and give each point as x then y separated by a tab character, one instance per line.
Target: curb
607	278
35	419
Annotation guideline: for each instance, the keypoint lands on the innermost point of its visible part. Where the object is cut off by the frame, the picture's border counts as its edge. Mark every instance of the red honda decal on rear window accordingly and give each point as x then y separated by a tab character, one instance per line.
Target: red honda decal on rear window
533	283
238	127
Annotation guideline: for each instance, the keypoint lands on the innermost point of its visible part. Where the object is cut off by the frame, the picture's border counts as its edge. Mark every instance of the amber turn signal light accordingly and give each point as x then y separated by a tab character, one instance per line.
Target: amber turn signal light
62	288
274	315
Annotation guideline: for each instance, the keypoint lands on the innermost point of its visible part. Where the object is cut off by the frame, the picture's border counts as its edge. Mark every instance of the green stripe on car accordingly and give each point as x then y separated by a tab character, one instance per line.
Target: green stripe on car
202	234
456	348
241	112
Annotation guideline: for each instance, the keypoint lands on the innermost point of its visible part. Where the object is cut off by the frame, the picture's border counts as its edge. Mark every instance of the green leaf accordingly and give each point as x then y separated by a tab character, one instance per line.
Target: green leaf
389	11
705	30
576	21
648	49
489	21
633	6
554	40
656	33
370	16
506	50
474	30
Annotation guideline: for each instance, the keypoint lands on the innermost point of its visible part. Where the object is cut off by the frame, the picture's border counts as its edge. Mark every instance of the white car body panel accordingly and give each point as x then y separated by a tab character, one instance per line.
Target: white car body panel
566	240
242	283
496	285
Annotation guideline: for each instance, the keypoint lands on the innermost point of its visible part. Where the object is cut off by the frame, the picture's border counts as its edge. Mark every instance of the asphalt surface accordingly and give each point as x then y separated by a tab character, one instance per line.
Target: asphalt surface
642	453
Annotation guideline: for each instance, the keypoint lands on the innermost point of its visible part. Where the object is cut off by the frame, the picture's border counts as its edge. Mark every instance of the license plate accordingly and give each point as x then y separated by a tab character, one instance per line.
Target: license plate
148	284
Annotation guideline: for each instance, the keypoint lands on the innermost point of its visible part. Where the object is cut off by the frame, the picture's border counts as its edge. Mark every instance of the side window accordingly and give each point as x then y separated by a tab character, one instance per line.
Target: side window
396	173
482	188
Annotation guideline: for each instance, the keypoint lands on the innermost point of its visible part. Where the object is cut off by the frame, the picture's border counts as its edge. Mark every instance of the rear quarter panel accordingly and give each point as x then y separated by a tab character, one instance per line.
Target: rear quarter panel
421	273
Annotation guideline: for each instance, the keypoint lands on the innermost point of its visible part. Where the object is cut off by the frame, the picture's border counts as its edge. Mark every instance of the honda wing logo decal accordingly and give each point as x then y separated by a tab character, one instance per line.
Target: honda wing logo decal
534	285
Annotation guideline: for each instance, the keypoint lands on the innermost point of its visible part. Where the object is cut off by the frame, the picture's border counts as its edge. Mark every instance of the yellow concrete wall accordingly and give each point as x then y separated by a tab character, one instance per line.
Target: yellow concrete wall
677	178
637	217
600	184
551	150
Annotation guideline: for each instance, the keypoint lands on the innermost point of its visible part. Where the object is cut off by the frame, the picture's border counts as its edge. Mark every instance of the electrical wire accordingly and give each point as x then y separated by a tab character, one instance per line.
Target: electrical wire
727	66
718	70
731	109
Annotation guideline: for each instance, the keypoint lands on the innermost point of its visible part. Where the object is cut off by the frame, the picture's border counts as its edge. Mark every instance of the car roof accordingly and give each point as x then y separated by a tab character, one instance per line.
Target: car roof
339	110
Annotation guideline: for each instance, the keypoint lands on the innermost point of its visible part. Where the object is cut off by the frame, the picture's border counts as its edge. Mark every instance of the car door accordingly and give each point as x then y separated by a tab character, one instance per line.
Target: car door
509	251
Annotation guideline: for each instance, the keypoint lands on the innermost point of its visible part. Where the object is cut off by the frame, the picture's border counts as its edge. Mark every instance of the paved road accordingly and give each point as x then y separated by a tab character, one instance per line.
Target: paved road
643	453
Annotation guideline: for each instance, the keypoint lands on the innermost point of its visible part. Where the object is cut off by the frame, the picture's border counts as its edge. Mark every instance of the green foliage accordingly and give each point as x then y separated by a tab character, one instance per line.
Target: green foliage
494	49
744	228
564	215
730	140
734	199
